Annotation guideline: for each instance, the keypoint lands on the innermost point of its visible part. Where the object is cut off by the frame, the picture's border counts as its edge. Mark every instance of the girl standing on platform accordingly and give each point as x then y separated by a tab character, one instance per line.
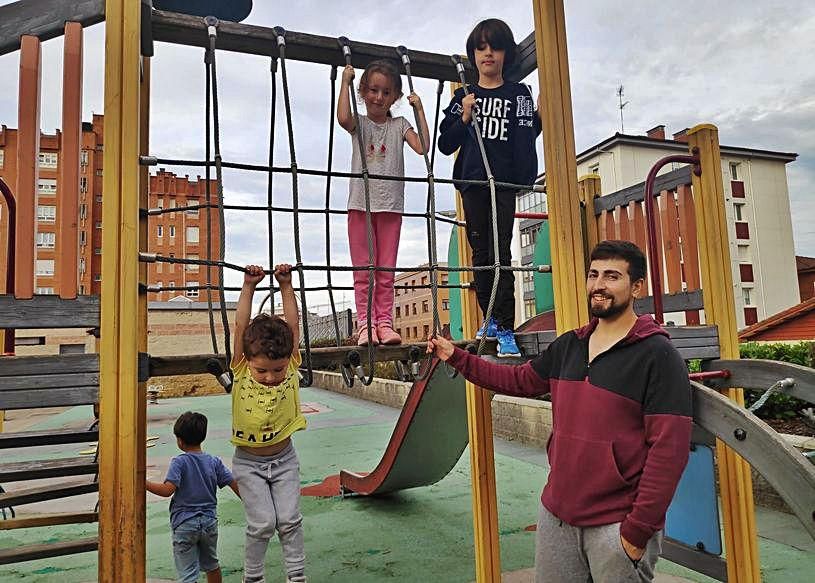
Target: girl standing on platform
383	138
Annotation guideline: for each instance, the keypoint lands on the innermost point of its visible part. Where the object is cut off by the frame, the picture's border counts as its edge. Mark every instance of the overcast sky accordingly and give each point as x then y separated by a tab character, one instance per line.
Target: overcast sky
743	66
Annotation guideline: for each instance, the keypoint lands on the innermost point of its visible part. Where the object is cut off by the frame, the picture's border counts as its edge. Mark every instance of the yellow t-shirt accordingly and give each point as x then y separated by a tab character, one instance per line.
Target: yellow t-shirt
264	415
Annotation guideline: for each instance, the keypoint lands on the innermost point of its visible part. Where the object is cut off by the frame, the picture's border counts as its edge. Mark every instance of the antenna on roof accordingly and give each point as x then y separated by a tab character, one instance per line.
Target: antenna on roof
620	94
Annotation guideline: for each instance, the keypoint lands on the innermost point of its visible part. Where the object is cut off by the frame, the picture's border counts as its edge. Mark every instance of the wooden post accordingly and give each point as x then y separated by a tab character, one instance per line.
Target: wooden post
568	259
735	482
121	444
479	423
67	244
588	188
28	166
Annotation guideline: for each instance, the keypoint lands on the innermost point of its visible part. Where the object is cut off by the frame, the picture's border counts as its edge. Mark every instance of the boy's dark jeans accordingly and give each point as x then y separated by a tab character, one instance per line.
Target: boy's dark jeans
478	214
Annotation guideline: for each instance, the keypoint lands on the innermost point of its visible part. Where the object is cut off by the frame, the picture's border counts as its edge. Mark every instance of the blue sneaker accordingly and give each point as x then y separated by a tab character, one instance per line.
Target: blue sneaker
507	347
492	330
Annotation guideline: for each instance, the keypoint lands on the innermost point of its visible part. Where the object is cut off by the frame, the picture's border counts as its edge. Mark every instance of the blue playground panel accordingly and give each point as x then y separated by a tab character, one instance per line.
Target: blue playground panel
693	516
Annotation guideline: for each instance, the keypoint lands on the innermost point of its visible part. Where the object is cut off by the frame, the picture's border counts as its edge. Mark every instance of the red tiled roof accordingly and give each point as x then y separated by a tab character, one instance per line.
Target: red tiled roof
804	263
777	319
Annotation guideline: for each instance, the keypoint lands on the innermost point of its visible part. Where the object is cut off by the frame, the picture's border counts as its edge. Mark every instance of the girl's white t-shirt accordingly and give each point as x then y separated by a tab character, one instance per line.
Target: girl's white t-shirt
384	154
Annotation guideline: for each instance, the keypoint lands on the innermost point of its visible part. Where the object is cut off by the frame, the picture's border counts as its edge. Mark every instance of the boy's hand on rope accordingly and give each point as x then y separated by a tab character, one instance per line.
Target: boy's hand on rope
467	104
347	74
282	273
415	101
439	346
253	275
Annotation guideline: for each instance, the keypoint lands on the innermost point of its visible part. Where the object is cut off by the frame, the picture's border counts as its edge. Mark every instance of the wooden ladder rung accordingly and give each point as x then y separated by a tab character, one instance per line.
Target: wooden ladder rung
35	520
42	551
43	493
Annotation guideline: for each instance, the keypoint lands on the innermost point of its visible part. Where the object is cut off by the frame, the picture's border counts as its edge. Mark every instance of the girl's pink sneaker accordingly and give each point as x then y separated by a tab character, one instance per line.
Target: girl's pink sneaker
363	335
387	335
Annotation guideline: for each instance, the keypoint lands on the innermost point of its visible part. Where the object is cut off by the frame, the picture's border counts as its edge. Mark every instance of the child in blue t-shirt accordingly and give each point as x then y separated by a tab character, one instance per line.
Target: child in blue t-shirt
193	479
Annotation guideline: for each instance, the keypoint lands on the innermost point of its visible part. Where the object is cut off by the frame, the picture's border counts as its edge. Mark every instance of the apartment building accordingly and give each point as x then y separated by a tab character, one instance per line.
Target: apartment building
413	308
177	234
756	202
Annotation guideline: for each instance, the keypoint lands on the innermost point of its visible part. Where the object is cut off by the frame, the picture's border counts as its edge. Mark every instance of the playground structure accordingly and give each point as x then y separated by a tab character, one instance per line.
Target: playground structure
692	227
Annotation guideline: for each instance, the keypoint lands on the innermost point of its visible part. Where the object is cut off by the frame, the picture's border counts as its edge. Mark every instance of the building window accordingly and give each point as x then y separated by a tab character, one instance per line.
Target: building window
742	230
426	330
171	284
97	251
594	168
396	291
750	316
445	305
414	309
46	213
159	266
83	211
160	202
45	291
160	231
46	240
172	230
45	267
192	293
746	272
99	172
425	307
83	157
82	290
47	187
746	294
48	159
424	280
98	224
97	277
83	238
2	156
192	234
192	213
98	198
407	332
415	332
738	210
398	312
172	203
82	265
83	185
734	170
529	308
193	267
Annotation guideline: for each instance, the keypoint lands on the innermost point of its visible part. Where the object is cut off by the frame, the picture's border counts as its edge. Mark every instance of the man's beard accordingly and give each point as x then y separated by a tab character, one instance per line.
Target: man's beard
613	309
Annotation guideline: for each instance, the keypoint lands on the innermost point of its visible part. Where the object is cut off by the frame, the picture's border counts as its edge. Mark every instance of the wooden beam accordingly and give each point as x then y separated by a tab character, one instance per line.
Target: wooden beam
735	481
676	302
28	148
121	452
260	40
67	244
565	229
55	381
41	469
67	397
44	493
713	566
50	437
668	181
49	312
20	554
762	374
55	519
44	19
11	366
527	59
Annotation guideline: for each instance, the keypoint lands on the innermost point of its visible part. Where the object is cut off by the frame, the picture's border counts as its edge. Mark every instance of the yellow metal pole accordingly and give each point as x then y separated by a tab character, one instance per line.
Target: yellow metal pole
121	451
479	423
588	188
735	482
561	167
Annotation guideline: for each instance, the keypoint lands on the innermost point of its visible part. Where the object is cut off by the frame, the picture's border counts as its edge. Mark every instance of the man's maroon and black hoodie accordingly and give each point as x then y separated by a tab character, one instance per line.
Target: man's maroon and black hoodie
621	424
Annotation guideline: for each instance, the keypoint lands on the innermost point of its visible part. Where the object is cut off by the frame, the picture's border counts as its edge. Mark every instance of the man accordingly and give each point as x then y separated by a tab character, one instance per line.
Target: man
621	406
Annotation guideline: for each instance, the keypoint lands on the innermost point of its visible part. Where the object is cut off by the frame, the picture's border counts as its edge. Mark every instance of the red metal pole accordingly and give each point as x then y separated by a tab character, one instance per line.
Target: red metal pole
8	335
543	216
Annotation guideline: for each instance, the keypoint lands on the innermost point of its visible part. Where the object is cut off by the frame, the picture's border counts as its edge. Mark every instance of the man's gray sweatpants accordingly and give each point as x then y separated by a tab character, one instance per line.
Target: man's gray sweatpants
270	490
593	554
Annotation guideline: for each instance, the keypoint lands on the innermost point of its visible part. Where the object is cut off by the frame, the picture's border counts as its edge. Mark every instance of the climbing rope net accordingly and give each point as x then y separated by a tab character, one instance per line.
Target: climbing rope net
215	266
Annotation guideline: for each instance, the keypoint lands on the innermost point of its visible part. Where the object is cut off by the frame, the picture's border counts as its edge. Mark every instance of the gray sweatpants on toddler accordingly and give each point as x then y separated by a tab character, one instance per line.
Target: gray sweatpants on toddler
270	490
592	554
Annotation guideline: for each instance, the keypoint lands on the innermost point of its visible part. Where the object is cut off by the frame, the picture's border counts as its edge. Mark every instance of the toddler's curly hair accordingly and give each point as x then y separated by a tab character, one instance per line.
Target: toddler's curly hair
268	335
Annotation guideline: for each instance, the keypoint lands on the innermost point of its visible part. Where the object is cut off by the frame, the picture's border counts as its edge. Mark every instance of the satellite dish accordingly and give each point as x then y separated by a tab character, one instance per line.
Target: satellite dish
232	10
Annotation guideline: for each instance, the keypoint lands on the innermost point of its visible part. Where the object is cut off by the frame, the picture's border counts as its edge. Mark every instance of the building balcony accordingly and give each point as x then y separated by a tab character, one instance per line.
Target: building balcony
737	188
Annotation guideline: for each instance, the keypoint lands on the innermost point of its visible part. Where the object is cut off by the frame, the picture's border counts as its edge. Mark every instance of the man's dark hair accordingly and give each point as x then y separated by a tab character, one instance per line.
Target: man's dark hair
191	428
625	250
498	35
268	335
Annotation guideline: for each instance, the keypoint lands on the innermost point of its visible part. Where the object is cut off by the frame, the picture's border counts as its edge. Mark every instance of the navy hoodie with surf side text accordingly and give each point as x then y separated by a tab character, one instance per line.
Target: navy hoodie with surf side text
509	125
621	424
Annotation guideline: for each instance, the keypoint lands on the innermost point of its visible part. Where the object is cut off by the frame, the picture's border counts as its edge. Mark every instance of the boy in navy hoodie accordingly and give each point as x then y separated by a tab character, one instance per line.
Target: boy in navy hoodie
509	125
621	410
